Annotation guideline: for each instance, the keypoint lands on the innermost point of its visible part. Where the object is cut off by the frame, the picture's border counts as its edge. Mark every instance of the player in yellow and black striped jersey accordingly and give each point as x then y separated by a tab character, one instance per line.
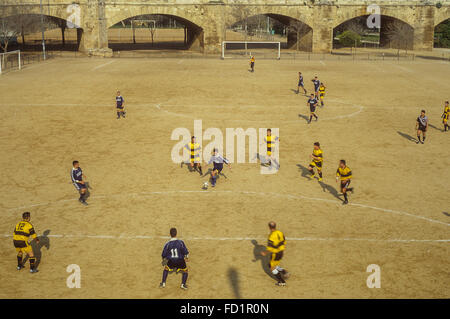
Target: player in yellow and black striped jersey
22	233
445	116
271	140
344	175
276	245
322	93
195	162
317	161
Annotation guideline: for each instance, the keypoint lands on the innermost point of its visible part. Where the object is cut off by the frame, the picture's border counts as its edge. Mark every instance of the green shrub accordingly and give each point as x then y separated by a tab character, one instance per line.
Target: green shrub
349	39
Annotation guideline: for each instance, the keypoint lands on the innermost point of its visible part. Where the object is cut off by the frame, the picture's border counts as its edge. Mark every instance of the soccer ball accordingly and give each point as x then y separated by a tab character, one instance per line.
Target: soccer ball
205	185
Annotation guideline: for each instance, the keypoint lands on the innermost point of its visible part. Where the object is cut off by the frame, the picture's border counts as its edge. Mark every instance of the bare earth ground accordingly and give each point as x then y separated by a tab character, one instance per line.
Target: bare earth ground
63	109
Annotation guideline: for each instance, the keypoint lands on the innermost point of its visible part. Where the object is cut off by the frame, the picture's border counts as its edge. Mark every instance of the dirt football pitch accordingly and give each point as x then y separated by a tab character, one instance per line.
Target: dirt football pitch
64	109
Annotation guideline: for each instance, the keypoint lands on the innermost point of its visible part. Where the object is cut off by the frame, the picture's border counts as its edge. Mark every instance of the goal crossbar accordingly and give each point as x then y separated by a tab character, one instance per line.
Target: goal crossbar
224	43
2	59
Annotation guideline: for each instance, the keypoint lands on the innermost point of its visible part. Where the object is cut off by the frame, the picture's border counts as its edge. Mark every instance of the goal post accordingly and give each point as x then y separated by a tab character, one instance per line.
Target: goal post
10	60
251	45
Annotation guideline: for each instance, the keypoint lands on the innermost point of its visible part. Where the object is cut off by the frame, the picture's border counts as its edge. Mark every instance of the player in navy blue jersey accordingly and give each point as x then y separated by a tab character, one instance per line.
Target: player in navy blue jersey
176	254
301	83
120	105
77	180
312	102
316	83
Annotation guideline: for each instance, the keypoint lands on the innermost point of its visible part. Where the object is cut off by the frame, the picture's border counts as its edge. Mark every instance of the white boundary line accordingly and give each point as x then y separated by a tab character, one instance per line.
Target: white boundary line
361	108
247	238
160	106
102	65
291	196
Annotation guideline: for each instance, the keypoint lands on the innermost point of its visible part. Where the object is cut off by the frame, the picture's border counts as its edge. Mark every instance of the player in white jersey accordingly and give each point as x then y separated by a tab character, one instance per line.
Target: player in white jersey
218	161
421	126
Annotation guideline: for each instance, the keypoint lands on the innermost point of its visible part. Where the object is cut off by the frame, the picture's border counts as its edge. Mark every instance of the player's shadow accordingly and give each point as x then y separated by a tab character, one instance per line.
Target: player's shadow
233	276
330	189
436	128
305	117
88	192
446	214
263	160
295	91
257	249
44	241
190	168
209	171
305	171
407	136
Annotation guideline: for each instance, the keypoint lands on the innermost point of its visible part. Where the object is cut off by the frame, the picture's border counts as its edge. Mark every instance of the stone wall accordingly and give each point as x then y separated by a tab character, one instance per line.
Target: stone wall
207	20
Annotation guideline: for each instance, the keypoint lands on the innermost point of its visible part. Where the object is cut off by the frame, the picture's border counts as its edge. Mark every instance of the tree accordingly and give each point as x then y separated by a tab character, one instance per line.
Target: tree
400	35
442	35
349	39
241	14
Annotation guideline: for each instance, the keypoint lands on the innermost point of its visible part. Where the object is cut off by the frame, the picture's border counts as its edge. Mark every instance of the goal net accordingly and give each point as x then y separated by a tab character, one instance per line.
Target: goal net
138	25
10	61
268	50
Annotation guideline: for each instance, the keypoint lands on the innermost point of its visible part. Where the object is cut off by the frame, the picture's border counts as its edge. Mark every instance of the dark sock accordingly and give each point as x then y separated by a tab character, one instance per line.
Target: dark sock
165	273
19	261
345	197
184	278
423	139
32	263
310	118
320	174
118	114
418	138
279	277
315	116
200	170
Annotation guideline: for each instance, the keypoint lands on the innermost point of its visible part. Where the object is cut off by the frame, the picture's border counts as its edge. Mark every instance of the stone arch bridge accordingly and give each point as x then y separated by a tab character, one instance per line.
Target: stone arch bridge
207	20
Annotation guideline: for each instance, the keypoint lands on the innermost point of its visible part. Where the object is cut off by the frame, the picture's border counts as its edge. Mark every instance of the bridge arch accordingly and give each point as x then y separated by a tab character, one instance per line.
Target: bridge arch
298	33
393	32
193	20
28	24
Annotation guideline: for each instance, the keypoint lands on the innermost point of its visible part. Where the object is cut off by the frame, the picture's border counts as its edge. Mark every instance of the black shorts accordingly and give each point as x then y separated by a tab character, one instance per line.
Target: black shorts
176	264
218	167
79	186
422	128
345	184
20	243
301	84
252	64
120	108
278	256
316	164
312	109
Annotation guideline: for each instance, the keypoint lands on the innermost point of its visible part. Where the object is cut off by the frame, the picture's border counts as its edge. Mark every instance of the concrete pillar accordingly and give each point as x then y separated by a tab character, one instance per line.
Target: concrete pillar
322	37
95	35
424	28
